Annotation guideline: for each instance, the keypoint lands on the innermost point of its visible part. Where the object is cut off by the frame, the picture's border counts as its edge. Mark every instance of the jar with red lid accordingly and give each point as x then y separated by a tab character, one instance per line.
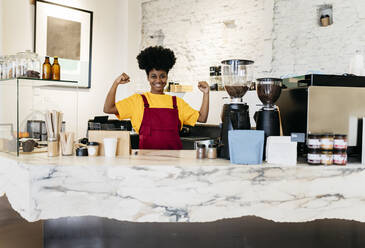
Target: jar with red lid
339	157
340	142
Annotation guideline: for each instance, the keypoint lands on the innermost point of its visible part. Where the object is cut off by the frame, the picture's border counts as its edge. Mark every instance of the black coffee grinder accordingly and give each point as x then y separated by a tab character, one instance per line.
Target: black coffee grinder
268	117
235	115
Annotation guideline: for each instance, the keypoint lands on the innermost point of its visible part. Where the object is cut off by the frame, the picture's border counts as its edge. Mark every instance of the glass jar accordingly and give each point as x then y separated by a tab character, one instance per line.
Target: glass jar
33	65
22	64
212	151
200	151
212	78
19	69
6	68
28	62
326	157
2	67
340	142
11	66
219	78
314	141
327	141
314	157
53	147
340	157
36	61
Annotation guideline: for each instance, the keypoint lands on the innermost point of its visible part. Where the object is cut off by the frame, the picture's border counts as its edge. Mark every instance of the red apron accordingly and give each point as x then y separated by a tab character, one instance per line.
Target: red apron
160	127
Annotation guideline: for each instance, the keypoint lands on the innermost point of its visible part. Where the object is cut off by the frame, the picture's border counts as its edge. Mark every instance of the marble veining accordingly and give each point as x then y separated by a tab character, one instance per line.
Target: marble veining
173	186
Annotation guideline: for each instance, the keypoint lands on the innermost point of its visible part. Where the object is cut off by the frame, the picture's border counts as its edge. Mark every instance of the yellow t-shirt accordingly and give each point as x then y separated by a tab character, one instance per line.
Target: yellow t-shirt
133	108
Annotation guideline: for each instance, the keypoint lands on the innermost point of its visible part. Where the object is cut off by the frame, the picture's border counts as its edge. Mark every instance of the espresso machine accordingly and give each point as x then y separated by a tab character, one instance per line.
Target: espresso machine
235	115
268	117
324	103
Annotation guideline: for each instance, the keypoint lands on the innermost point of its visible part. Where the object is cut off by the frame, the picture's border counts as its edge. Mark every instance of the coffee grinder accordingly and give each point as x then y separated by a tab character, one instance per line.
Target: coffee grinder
235	115
267	118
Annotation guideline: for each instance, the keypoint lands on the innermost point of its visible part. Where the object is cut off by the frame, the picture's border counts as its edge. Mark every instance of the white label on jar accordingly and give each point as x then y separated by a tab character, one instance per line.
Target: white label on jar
340	159
340	144
91	150
326	159
314	157
327	143
314	142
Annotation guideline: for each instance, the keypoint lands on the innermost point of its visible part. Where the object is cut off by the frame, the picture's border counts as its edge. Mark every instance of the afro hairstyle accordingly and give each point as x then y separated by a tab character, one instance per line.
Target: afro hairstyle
157	58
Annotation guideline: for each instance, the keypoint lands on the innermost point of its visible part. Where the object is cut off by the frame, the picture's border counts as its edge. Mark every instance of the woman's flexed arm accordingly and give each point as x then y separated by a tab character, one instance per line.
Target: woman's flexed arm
109	105
204	109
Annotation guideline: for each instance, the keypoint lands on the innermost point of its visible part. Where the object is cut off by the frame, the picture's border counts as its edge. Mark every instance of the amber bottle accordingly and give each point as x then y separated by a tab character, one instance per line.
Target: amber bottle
56	70
47	74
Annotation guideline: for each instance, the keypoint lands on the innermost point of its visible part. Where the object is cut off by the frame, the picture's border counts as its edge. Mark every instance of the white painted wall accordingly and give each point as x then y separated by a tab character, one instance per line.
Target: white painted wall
17	26
131	47
1	27
115	33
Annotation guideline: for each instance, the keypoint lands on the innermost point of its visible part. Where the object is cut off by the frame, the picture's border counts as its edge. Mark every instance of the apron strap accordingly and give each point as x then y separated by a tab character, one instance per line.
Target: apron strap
174	104
146	105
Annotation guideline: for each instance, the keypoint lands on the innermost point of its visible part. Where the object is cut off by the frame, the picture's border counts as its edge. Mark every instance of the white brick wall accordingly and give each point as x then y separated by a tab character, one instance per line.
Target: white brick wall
282	36
204	32
301	45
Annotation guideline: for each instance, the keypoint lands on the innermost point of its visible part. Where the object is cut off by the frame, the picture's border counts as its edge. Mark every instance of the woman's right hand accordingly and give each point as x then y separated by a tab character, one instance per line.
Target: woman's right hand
122	79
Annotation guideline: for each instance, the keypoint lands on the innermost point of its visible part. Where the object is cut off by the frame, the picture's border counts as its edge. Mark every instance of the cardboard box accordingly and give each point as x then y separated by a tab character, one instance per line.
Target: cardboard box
181	88
123	145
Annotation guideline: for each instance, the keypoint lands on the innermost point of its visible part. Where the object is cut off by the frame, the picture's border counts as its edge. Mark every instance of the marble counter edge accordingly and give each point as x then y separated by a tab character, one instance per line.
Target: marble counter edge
30	172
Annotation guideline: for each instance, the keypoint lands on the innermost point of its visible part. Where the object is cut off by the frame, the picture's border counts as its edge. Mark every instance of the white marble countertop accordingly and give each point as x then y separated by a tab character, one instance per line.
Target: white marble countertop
173	186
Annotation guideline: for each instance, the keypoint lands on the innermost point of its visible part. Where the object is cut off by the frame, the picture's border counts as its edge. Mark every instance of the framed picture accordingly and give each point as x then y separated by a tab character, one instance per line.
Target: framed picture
65	32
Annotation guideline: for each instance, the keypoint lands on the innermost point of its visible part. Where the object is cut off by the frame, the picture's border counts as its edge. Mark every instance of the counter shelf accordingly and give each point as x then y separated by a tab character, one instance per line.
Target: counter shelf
23	99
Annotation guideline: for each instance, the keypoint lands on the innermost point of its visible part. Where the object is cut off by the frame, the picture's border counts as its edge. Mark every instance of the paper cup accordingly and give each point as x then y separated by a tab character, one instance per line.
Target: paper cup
110	147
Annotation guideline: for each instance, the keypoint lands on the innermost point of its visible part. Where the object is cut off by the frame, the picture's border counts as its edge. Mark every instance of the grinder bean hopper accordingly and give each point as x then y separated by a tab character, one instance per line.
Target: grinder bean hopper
267	118
235	115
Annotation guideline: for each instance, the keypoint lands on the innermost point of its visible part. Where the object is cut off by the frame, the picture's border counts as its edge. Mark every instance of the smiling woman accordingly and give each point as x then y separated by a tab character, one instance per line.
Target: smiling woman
158	80
157	117
157	62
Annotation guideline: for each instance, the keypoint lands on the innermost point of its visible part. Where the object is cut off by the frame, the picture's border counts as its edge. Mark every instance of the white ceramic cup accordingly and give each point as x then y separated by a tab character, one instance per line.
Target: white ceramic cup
110	147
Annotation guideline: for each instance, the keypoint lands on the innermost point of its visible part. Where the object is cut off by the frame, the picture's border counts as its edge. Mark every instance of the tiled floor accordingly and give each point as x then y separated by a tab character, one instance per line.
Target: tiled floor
15	232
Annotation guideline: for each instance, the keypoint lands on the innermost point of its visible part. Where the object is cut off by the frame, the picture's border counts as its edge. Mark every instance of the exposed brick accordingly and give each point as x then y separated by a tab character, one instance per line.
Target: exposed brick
283	37
204	32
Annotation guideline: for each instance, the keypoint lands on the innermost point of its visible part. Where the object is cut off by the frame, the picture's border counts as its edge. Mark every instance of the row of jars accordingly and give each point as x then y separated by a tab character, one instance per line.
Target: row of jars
327	141
22	64
327	149
215	78
326	157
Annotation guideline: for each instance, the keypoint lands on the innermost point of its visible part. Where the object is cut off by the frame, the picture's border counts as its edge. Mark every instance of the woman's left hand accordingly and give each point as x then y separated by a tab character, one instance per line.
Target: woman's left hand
203	87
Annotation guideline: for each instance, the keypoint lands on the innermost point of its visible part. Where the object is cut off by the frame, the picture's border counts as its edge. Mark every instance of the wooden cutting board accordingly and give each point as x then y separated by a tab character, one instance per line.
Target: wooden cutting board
123	144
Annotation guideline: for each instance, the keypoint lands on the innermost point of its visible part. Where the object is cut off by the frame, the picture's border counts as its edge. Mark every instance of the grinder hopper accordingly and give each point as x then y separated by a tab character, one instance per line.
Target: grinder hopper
235	77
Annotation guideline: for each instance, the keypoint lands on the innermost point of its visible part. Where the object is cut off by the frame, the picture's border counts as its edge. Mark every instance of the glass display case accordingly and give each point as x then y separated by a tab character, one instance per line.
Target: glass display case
23	105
